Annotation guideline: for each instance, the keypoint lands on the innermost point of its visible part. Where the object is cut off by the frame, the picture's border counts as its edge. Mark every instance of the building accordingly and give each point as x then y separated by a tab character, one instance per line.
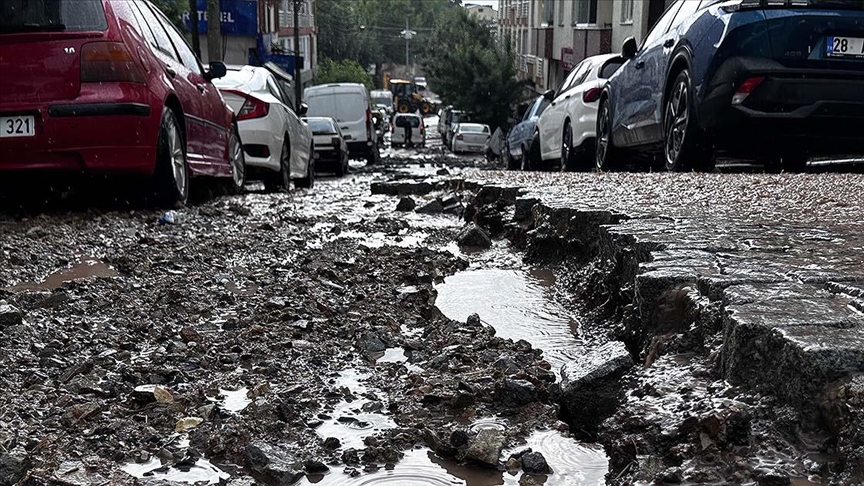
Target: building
482	12
308	48
552	36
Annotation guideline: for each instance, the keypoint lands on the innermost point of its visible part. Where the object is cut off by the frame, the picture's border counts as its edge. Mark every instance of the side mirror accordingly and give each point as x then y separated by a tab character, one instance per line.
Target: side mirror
549	95
304	108
217	70
628	50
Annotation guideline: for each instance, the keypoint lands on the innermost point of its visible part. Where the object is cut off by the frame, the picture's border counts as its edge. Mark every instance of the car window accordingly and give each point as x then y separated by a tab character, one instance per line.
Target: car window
142	24
573	73
65	15
580	78
662	25
321	127
610	67
688	8
161	40
187	57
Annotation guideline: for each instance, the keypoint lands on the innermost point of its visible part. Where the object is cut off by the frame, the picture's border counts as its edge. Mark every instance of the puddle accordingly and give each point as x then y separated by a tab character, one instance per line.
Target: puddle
572	463
202	471
235	400
83	269
517	304
398	355
351	422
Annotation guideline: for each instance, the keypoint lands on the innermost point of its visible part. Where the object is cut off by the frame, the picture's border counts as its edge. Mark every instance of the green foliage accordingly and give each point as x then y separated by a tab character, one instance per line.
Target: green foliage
173	9
343	71
469	69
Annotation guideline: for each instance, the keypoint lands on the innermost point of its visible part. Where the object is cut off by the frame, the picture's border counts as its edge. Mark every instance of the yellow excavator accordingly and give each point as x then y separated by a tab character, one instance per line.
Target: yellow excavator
408	96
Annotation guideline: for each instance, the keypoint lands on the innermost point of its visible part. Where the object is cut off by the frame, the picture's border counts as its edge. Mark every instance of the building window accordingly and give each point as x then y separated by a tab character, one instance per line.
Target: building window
548	12
561	13
584	12
627	11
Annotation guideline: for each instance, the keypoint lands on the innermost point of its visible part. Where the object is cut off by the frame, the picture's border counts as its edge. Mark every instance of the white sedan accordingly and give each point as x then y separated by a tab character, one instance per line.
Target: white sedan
277	144
470	137
567	128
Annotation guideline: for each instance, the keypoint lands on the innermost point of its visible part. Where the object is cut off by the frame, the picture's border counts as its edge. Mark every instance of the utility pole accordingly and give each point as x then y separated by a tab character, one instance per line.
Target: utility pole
408	34
298	94
214	31
193	22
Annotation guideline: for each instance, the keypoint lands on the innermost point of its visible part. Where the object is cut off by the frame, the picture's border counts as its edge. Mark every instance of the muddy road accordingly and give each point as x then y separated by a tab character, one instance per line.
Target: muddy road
361	333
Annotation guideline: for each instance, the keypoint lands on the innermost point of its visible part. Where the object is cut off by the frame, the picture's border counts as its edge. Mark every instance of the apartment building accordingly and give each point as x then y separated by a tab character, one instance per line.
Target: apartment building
308	48
552	36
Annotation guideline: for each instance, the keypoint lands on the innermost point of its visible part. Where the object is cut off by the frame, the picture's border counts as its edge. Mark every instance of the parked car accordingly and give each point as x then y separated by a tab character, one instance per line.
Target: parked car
277	144
111	87
331	151
773	80
382	99
520	137
567	128
470	137
402	123
447	117
349	105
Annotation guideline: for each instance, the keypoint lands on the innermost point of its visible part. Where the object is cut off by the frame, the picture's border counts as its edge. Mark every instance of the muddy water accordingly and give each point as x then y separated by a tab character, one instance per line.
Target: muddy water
518	304
82	269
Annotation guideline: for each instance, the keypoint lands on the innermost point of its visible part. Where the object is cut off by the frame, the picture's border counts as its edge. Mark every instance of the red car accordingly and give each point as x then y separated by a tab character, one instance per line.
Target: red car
110	87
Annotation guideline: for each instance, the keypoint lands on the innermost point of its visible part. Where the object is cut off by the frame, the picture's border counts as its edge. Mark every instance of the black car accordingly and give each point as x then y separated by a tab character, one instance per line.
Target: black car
774	80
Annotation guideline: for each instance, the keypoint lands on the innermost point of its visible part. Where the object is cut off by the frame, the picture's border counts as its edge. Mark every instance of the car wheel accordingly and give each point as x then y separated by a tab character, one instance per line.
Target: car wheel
507	159
238	162
583	157
533	154
606	156
281	180
172	169
374	157
683	147
568	157
309	181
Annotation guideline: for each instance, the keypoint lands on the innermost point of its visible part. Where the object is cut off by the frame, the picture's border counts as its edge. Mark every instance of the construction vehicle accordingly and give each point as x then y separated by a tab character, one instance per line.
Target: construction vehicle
408	96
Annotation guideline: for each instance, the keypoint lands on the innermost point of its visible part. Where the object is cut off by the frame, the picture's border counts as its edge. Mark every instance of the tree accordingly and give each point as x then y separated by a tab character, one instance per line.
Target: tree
173	9
344	71
468	68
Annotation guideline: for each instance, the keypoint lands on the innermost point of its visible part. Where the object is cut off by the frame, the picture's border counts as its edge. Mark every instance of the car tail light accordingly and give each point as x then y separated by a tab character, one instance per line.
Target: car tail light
108	62
591	95
460	137
745	89
252	106
336	141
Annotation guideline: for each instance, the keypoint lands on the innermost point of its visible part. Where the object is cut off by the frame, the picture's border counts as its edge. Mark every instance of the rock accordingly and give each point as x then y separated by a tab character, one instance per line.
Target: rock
314	466
534	462
432	207
13	466
516	393
591	387
485	447
474	320
512	464
10	316
406	204
187	423
474	236
371	343
442	172
332	443
81	412
272	466
162	394
459	438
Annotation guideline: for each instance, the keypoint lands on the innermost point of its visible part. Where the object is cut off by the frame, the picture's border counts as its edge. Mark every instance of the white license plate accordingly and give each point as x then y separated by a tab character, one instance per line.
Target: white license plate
845	47
17	126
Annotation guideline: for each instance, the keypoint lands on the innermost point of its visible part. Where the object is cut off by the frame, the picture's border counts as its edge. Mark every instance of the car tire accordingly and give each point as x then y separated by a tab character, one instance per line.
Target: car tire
607	157
171	177
237	160
568	153
509	162
583	157
307	182
684	146
533	154
374	157
281	180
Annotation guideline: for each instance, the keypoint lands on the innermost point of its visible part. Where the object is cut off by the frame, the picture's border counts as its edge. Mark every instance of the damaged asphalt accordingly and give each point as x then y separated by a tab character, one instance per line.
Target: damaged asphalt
374	328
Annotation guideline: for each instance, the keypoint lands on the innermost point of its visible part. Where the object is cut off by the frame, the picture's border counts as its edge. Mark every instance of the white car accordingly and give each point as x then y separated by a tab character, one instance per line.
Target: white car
567	128
277	144
401	123
470	137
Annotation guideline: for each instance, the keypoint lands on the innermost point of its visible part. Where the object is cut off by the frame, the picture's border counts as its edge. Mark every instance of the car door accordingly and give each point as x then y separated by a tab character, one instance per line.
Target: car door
552	120
178	75
213	112
639	87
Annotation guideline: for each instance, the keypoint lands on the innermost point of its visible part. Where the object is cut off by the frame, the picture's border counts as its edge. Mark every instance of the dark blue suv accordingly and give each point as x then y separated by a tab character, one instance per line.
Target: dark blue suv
774	80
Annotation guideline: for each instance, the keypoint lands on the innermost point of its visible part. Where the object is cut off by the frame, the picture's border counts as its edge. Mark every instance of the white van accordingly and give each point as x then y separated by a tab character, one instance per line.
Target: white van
348	104
401	123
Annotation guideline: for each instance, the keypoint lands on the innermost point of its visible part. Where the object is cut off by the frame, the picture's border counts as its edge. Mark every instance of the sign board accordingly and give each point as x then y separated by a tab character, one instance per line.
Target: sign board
239	17
568	58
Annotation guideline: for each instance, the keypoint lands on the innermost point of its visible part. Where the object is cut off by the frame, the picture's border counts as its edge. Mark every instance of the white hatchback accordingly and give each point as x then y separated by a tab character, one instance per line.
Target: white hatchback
567	128
470	137
275	141
402	123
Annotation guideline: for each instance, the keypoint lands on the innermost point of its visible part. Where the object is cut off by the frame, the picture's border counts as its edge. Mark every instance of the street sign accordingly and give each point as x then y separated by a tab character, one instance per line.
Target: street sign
239	17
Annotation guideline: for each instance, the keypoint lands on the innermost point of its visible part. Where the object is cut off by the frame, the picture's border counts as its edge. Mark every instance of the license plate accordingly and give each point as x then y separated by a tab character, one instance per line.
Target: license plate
17	126
845	47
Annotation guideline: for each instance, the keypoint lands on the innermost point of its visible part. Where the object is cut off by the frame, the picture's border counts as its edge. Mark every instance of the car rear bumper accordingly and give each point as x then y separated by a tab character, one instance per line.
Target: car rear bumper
360	149
257	133
466	147
89	135
327	154
821	111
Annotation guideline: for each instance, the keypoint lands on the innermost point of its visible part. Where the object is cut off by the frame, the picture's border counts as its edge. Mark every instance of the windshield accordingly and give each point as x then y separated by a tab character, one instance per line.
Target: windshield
320	126
51	15
383	101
